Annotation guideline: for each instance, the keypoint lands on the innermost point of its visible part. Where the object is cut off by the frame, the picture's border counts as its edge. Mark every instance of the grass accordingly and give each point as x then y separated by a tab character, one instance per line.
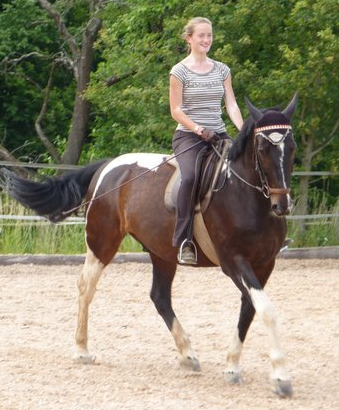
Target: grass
316	232
18	236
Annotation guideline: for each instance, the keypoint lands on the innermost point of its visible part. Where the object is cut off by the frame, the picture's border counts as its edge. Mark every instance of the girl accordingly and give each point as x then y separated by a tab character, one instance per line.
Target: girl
198	85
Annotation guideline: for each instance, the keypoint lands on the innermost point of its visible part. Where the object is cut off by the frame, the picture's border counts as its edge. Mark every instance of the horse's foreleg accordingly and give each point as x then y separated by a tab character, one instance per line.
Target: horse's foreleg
266	312
87	282
163	275
252	289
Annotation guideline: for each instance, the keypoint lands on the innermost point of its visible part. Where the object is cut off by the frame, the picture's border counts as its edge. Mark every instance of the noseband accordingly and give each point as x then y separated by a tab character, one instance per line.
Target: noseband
274	138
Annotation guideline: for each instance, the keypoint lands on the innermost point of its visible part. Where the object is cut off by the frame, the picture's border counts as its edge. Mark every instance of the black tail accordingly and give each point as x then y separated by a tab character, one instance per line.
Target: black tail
54	196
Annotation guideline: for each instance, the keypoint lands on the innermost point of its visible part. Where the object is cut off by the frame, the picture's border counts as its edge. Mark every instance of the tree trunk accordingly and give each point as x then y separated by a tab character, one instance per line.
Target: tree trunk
301	207
79	127
302	203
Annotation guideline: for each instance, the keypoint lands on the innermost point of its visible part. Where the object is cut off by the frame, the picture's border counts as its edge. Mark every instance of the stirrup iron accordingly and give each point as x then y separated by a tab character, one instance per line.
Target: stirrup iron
194	249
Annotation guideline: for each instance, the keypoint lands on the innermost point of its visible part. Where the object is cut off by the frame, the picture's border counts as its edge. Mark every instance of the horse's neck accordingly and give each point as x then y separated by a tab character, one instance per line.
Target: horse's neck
243	183
245	164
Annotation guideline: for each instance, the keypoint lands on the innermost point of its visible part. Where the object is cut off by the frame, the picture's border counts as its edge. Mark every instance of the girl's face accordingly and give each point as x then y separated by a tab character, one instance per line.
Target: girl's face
201	39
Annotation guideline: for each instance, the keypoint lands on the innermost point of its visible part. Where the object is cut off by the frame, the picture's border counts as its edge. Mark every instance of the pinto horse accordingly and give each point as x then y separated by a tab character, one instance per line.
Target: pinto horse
245	220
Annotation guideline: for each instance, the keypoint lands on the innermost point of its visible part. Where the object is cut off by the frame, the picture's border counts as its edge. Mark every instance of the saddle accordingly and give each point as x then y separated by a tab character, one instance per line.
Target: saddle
209	176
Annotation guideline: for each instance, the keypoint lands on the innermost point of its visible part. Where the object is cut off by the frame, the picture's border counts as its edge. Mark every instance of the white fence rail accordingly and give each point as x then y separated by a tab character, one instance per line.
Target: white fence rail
81	221
27	219
65	167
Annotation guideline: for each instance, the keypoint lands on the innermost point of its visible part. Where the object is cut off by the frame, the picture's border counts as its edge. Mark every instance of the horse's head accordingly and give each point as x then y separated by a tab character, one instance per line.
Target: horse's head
274	148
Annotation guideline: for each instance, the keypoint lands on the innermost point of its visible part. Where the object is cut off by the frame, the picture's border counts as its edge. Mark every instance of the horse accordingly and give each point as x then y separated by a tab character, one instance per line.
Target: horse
245	220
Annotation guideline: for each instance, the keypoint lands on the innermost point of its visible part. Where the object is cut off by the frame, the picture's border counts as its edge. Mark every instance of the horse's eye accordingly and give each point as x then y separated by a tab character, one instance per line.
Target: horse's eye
293	147
264	148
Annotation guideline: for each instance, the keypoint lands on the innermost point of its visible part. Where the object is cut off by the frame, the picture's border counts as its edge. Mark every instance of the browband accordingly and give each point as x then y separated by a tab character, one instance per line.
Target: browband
273	127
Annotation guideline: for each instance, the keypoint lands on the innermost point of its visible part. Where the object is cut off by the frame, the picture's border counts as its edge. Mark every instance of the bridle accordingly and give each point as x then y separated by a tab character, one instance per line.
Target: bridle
274	138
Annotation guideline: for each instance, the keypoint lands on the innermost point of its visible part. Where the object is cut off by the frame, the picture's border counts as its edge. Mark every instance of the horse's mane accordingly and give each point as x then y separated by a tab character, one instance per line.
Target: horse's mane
239	144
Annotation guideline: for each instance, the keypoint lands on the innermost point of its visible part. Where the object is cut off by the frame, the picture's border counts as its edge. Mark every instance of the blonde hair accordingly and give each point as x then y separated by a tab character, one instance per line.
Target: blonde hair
190	26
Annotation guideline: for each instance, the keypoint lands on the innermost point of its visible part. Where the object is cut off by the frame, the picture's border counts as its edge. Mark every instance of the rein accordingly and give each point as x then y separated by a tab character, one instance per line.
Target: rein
130	180
261	189
275	139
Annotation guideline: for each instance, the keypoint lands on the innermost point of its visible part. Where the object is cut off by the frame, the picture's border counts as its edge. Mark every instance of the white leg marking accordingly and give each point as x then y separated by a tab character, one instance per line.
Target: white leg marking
233	371
188	356
87	282
266	312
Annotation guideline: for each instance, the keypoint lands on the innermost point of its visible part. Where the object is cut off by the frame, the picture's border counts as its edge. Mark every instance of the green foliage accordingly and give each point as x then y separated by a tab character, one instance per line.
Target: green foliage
45	238
136	109
29	44
316	232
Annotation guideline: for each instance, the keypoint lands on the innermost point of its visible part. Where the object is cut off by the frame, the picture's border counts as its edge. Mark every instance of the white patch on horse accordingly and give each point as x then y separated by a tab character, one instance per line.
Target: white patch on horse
233	356
266	312
87	282
263	306
143	160
281	147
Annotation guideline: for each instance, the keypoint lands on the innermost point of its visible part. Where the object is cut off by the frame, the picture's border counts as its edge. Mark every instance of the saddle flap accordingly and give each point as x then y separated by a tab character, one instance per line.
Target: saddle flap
209	177
173	185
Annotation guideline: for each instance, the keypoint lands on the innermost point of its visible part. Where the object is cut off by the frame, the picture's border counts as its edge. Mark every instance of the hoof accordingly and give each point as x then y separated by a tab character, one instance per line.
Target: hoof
190	363
84	358
282	388
233	377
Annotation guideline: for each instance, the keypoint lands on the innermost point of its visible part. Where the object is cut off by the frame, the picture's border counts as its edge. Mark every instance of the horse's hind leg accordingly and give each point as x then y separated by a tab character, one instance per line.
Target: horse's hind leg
87	282
163	275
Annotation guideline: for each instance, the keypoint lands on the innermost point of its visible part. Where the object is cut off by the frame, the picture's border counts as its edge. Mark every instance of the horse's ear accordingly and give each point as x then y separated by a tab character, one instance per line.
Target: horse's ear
255	113
289	110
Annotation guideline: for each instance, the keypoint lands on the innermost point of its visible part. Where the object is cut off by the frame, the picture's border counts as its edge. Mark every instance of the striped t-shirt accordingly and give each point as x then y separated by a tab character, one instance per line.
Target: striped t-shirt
202	95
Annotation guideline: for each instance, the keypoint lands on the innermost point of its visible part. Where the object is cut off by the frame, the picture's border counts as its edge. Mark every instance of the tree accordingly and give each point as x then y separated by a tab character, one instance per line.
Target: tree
24	72
310	61
75	52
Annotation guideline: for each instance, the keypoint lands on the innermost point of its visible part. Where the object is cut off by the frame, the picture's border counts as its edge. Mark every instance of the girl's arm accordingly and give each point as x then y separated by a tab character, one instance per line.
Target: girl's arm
231	104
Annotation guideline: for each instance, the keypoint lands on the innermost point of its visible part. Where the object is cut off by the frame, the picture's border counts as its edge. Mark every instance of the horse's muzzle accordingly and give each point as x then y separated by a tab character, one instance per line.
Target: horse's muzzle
281	203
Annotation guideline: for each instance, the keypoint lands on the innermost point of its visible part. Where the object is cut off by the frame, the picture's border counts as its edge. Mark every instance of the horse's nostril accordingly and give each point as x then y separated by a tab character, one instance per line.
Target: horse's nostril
279	211
275	208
